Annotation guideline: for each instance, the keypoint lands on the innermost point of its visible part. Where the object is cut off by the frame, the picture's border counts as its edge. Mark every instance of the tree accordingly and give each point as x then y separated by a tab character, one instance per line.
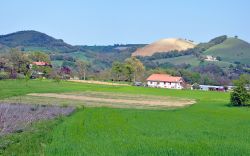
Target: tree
117	70
190	77
137	67
39	57
196	86
82	68
27	78
240	96
20	61
65	72
128	72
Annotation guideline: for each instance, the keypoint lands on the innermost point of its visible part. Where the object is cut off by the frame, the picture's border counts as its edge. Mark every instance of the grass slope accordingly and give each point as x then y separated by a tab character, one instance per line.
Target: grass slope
188	59
208	128
231	50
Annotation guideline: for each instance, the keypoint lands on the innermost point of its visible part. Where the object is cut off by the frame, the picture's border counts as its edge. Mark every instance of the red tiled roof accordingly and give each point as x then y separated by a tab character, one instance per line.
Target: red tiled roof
164	78
40	63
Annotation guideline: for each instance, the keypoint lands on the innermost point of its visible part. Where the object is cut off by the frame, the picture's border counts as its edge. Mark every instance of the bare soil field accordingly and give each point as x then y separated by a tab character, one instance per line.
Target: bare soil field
16	117
101	99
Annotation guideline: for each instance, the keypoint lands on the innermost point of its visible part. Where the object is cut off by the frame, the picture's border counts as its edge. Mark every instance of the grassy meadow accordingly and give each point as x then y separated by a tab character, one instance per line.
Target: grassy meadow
209	127
188	59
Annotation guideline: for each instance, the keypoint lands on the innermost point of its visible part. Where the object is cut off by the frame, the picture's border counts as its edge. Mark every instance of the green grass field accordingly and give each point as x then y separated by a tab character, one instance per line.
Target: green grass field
210	127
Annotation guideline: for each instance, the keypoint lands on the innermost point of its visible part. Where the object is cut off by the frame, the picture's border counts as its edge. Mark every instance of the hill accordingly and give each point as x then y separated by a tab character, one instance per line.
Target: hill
35	40
3	48
60	52
158	54
229	51
232	50
164	45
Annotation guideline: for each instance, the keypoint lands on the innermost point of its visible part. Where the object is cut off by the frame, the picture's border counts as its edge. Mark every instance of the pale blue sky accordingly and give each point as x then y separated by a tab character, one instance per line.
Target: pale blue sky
102	22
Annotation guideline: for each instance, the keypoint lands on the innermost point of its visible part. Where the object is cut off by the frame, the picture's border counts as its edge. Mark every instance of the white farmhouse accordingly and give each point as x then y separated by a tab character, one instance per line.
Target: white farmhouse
210	58
165	81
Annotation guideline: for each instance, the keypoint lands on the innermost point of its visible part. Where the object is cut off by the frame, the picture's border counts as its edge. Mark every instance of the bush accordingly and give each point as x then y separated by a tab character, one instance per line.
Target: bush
196	86
239	96
4	75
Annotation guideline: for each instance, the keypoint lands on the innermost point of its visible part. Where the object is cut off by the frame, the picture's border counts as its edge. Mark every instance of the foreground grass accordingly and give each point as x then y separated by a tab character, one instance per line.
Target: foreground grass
29	142
209	127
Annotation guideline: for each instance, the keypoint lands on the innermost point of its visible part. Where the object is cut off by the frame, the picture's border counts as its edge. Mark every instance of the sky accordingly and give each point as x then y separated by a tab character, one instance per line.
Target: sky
106	22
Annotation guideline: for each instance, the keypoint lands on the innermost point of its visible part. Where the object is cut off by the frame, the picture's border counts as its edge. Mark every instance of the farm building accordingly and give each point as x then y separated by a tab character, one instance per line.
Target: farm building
214	88
165	81
38	68
41	64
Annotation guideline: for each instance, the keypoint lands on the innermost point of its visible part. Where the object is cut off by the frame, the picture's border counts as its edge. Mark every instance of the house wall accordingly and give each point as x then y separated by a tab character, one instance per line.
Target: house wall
170	85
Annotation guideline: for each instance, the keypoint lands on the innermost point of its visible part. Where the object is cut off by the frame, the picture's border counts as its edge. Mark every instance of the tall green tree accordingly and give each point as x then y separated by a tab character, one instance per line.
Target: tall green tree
138	68
39	57
128	72
117	70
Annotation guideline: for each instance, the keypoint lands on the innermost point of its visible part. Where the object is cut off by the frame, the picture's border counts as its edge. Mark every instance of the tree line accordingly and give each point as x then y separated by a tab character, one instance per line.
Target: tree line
132	69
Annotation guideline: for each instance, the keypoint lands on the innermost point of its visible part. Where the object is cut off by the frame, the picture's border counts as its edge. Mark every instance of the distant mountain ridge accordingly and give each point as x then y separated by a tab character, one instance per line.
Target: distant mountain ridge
230	50
35	39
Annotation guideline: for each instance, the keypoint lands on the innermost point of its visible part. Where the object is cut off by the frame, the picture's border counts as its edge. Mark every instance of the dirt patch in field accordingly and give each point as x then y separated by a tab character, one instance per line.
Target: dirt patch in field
95	99
98	82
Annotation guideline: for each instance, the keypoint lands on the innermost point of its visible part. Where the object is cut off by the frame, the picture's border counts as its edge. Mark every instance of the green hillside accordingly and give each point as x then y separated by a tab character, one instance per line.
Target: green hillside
231	50
35	40
188	59
101	57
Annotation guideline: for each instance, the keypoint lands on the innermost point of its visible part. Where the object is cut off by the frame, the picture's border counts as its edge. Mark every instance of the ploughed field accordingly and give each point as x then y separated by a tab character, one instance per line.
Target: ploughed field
126	120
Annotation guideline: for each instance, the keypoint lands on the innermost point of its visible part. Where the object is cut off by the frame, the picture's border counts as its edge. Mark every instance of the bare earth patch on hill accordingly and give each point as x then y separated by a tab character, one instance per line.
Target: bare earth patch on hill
164	45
